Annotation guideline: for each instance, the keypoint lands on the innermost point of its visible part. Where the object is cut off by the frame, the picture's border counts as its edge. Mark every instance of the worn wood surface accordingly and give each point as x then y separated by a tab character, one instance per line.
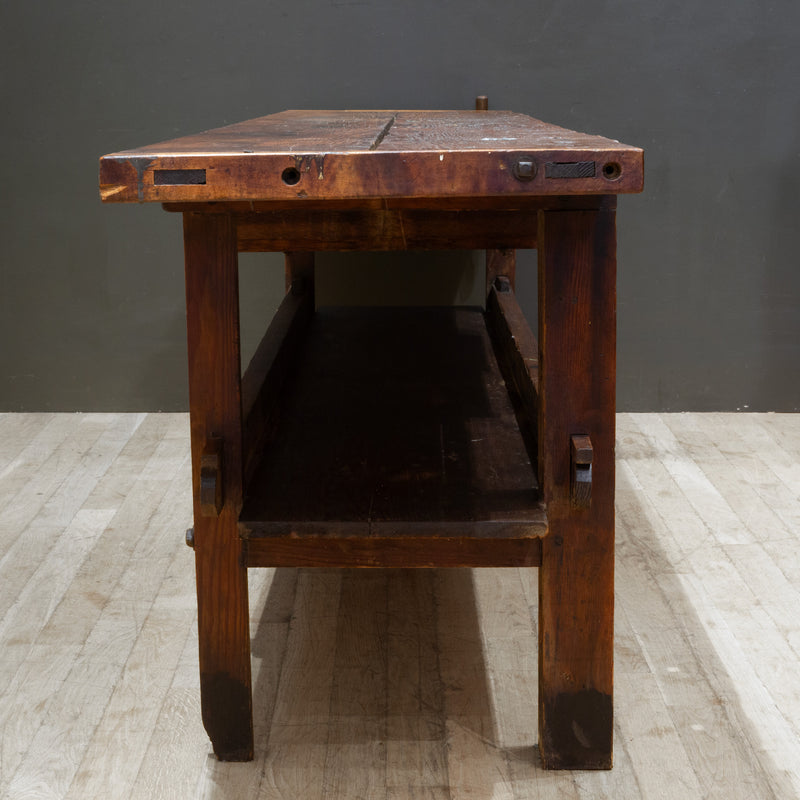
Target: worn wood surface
396	426
424	547
401	430
517	354
577	329
297	155
581	458
477	203
502	262
212	317
299	272
382	229
265	376
417	683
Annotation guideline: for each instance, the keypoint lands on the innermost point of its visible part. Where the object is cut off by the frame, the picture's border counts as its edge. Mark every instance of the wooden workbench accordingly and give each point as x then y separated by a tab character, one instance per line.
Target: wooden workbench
403	437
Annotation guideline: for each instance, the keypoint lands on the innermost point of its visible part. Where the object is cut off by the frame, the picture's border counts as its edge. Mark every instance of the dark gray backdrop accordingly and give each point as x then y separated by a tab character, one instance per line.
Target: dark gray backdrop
709	287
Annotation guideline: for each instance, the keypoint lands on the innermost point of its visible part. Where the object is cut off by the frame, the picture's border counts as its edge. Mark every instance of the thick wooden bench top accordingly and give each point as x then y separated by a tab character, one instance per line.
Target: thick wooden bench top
333	155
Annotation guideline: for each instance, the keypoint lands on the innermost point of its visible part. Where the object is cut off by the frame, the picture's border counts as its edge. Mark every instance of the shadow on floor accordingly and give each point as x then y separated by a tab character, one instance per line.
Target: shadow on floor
382	683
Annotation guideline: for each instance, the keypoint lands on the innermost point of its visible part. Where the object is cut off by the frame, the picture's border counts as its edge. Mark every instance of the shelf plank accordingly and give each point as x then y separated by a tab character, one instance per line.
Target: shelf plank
396	427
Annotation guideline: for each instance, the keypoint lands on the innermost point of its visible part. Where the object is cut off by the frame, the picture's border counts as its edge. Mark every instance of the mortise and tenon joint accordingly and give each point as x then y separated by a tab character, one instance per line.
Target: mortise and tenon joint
581	454
211	499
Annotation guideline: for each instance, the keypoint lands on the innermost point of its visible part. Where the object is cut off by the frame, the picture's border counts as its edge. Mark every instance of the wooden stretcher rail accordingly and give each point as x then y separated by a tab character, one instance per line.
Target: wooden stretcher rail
399	552
517	354
482	203
266	373
384	229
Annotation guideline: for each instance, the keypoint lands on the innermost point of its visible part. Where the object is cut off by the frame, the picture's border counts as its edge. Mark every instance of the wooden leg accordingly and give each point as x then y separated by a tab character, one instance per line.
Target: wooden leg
577	332
212	311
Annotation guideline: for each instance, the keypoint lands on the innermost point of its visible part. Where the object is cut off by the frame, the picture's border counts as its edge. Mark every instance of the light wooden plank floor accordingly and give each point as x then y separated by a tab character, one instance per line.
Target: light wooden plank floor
394	684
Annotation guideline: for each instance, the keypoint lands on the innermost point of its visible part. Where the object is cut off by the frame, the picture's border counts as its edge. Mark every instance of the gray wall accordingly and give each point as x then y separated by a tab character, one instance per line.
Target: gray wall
709	287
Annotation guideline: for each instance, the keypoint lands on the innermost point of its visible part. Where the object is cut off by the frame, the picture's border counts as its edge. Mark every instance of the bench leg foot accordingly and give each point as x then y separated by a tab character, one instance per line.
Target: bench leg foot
224	639
576	595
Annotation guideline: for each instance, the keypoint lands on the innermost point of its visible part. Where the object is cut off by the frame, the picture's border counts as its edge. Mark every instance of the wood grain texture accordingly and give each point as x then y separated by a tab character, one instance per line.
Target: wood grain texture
384	229
477	203
297	155
517	354
687	574
705	642
264	378
577	325
97	597
397	427
398	442
431	548
503	262
299	272
212	314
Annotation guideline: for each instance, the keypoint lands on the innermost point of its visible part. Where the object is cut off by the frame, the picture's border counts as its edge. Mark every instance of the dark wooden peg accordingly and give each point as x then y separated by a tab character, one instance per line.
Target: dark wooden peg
211	478
481	103
581	471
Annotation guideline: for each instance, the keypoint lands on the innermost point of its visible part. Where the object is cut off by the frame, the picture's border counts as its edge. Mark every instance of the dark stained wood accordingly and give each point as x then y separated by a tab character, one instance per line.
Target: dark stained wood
392	552
518	356
392	437
302	155
263	381
495	131
503	263
211	498
397	426
577	265
414	229
581	456
212	316
293	131
513	336
430	204
349	132
300	277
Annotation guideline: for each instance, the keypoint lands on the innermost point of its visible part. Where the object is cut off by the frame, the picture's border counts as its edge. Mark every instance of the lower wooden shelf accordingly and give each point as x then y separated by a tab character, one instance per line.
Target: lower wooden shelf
396	445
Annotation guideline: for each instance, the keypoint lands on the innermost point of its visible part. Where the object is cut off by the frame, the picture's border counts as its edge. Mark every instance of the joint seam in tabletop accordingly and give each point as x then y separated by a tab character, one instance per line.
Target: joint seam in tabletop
382	135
